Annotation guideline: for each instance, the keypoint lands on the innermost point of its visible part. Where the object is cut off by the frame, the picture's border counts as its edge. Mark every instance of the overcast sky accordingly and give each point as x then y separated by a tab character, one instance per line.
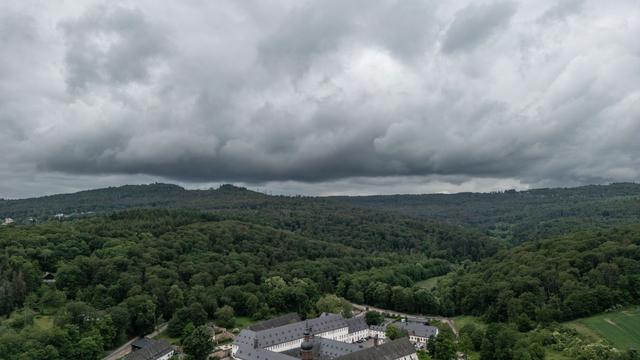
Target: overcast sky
318	97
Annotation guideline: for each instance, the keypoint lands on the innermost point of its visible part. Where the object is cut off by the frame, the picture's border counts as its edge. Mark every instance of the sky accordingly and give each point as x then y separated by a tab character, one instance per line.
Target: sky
318	97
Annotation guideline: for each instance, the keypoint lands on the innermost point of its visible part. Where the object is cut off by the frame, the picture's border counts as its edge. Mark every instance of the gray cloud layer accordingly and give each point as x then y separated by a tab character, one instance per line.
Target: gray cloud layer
313	95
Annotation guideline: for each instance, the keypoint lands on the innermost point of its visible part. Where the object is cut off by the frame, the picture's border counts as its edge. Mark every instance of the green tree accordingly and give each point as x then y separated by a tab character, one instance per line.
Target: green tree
175	299
142	311
488	348
121	320
333	304
198	344
224	316
393	332
423	355
179	320
71	278
88	348
474	334
374	318
197	314
465	345
445	348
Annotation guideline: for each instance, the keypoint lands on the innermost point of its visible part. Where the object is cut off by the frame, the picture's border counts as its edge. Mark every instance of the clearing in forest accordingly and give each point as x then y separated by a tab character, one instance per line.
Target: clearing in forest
620	328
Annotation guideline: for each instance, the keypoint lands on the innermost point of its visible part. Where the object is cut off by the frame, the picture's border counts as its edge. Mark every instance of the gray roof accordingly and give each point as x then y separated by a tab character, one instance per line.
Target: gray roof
388	351
327	349
249	353
356	324
323	349
275	322
333	348
269	337
378	328
417	328
245	338
141	343
153	350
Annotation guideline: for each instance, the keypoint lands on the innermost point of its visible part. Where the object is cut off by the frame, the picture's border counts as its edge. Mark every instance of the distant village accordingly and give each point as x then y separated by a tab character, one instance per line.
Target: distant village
32	220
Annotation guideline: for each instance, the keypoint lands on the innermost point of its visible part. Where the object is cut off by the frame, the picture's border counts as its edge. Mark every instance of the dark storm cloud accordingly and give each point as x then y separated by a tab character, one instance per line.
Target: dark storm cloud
311	96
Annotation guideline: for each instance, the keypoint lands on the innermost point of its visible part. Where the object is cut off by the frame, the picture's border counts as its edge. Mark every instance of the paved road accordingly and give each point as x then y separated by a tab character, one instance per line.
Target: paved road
443	319
126	347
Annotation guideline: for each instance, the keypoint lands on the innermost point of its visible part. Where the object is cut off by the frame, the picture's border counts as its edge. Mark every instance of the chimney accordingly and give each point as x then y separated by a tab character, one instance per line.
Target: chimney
255	342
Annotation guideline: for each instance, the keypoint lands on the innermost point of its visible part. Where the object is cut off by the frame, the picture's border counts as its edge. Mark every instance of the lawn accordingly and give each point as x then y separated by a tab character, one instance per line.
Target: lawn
429	283
620	328
460	321
555	355
43	322
165	335
243	322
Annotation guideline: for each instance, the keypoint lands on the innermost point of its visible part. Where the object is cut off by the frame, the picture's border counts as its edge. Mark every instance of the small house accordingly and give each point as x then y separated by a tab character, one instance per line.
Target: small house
48	278
150	349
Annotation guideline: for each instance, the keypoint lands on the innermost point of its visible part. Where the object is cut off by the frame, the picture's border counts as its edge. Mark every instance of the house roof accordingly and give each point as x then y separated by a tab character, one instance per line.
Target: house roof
245	352
415	328
356	324
252	343
142	343
276	322
327	349
388	351
378	328
278	335
152	351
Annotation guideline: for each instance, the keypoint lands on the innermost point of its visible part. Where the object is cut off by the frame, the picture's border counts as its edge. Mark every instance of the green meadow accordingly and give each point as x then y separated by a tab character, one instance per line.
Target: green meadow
429	283
620	328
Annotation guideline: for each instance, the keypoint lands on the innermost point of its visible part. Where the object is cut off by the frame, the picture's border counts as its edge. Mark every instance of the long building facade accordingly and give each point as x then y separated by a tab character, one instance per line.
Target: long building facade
330	336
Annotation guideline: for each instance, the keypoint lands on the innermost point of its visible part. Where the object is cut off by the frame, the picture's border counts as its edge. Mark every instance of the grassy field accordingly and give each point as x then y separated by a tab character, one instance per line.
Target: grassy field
243	322
555	355
429	283
620	328
165	335
43	322
460	321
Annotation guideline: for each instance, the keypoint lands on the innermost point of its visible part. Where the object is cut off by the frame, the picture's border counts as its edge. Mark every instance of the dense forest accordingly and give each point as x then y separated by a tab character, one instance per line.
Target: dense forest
557	279
520	215
127	259
516	216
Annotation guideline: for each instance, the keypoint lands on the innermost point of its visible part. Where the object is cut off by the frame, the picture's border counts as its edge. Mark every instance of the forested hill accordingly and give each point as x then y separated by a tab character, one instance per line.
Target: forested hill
130	196
320	218
520	215
515	216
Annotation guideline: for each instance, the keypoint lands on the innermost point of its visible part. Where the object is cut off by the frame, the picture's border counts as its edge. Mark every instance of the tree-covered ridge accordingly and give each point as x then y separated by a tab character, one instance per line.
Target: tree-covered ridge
516	216
520	215
320	218
370	229
126	197
558	279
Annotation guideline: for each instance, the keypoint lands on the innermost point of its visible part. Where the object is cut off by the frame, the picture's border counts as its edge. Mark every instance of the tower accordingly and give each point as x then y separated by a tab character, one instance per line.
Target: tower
306	348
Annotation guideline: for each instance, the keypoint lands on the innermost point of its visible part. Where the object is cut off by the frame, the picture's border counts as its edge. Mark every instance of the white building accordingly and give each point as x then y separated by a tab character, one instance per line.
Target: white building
7	221
330	336
419	332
